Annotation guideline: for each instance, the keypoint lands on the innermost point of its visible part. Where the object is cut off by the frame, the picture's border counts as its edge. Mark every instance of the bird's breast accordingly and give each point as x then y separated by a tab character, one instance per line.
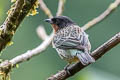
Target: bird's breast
72	54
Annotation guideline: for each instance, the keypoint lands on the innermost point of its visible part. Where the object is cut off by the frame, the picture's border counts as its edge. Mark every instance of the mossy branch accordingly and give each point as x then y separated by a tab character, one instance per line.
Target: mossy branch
15	16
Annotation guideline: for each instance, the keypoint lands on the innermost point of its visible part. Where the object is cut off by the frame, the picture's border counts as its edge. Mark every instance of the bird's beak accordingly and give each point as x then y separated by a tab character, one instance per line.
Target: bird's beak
48	20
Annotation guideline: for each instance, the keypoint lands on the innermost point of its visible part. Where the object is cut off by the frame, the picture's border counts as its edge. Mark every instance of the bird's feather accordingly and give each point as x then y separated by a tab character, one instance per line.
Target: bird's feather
71	38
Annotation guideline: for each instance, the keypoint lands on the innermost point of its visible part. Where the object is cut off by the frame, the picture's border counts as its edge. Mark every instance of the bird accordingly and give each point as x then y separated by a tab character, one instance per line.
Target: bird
70	41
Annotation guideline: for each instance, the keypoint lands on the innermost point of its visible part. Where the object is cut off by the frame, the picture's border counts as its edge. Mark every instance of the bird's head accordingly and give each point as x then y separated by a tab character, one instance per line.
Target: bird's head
60	22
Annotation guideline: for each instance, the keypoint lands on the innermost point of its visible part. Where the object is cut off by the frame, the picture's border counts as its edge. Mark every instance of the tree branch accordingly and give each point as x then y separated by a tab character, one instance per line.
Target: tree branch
60	7
102	16
41	32
45	9
99	52
15	16
30	53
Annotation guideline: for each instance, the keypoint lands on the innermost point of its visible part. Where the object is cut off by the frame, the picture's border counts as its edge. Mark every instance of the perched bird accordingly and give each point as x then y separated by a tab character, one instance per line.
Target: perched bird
70	41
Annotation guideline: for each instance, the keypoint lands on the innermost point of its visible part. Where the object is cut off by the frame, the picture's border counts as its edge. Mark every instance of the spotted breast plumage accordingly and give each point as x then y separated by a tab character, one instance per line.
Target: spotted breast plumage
70	41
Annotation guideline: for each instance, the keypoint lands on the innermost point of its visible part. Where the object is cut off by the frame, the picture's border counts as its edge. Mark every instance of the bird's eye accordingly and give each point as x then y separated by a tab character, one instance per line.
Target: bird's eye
56	21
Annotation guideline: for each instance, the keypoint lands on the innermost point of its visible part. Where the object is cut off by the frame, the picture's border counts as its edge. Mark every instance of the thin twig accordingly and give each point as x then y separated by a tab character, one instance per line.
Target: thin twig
41	32
99	52
102	16
60	7
45	9
30	53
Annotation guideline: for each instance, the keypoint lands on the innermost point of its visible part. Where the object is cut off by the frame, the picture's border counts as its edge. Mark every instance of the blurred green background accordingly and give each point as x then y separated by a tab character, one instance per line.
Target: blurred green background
48	62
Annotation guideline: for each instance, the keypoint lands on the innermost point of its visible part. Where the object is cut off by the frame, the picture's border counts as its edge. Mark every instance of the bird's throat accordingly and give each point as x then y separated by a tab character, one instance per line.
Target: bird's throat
55	28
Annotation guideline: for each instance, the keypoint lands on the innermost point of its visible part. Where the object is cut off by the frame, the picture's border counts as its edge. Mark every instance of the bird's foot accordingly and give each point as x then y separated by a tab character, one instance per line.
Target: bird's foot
66	69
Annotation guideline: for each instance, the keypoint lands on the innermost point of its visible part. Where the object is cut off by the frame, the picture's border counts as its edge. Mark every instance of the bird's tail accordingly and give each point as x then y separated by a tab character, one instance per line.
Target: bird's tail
85	58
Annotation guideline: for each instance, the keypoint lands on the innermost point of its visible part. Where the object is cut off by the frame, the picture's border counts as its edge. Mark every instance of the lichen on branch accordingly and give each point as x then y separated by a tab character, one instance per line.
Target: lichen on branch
16	14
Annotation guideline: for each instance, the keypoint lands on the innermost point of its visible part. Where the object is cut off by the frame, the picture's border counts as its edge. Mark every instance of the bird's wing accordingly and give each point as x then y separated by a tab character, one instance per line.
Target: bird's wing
75	39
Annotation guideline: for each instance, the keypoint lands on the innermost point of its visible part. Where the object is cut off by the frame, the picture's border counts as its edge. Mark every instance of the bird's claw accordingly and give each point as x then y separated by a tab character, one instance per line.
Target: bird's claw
66	69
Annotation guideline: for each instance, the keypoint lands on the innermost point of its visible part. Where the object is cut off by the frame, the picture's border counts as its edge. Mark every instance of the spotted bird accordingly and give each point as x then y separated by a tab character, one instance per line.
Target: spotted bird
70	41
